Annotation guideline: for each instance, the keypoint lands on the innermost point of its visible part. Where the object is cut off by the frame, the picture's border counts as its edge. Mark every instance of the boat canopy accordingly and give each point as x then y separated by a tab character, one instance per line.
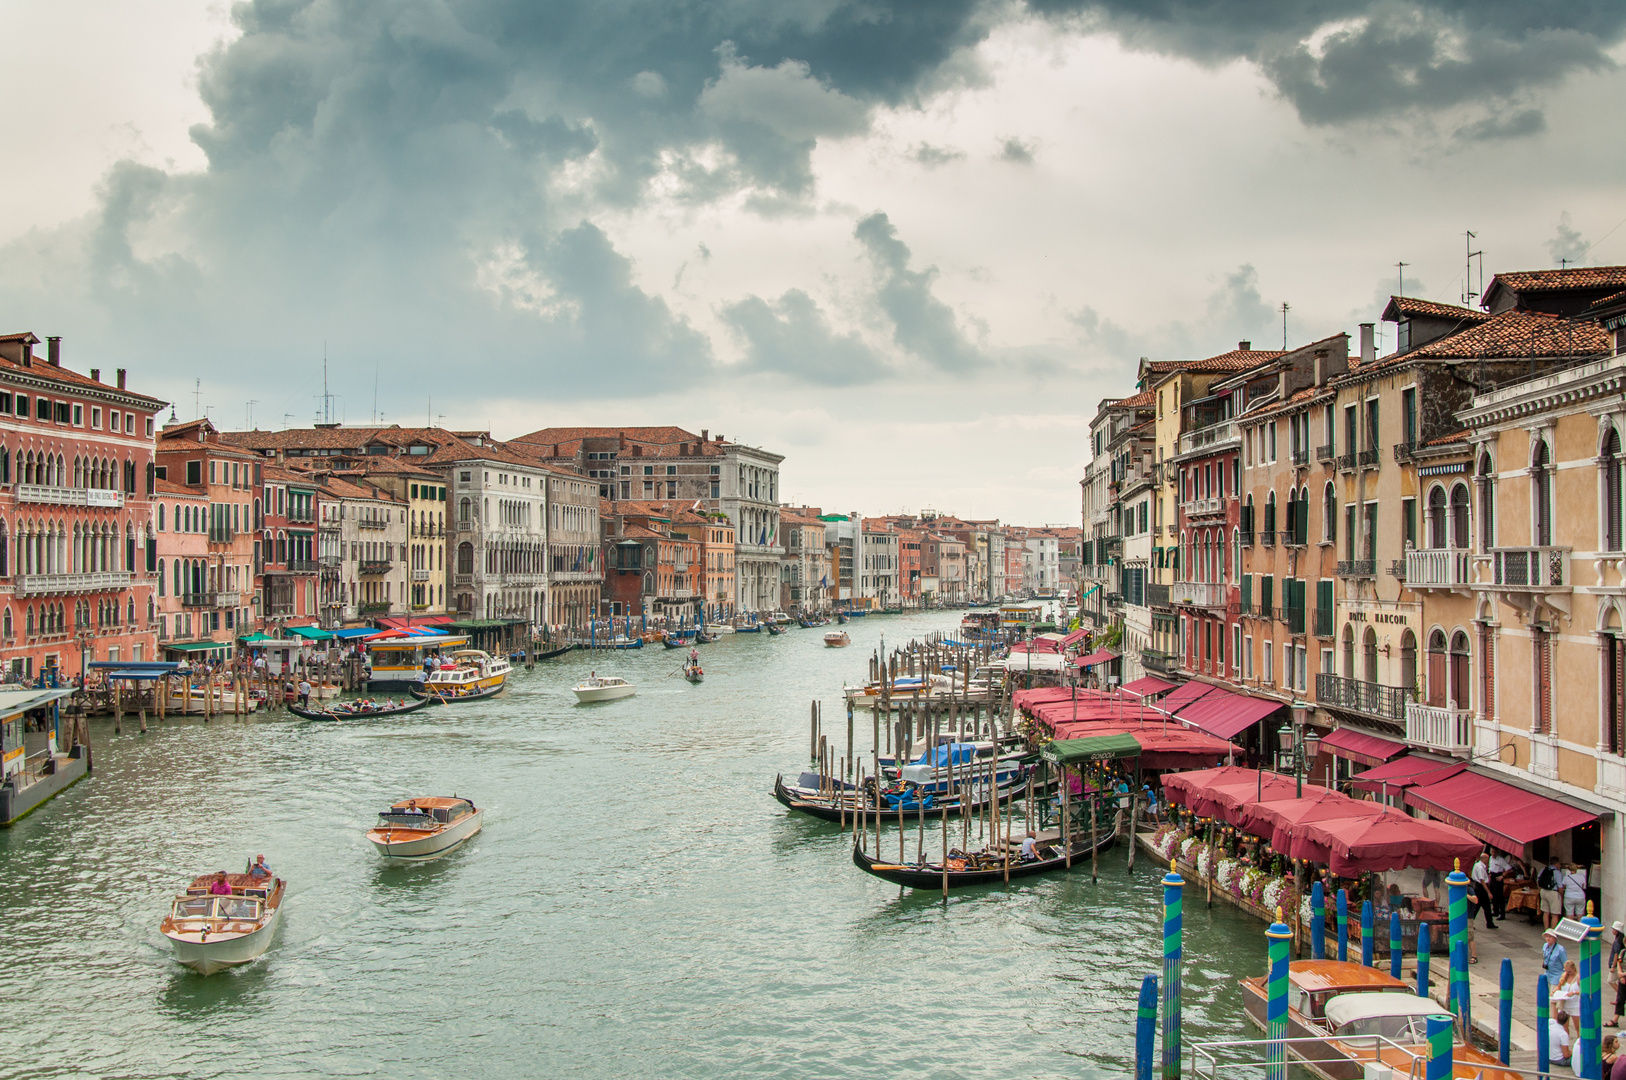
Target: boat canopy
1347	1008
962	752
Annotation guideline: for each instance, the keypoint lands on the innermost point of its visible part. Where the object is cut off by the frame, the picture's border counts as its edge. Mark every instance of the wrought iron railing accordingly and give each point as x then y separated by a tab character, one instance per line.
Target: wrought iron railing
1358	568
1531	568
1357	695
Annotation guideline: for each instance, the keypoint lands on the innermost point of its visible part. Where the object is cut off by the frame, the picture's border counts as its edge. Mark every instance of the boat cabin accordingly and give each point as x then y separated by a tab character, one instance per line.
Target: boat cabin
215	908
1398	1017
401	659
426	813
1313	984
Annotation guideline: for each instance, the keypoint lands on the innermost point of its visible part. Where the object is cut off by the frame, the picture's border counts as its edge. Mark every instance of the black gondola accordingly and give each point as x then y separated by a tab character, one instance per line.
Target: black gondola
430	697
672	642
931	875
830	810
551	653
775	629
357	711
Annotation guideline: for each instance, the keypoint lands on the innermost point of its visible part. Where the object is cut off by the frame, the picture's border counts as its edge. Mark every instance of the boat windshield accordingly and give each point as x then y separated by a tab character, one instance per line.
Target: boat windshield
217	907
406	819
1401	1029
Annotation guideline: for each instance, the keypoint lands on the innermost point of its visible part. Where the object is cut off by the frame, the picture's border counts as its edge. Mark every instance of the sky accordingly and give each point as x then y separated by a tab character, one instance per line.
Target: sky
909	245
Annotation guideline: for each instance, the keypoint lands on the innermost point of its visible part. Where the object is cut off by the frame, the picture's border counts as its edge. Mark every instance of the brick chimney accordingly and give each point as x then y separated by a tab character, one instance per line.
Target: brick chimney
121	378
1320	367
1244	346
53	351
95	374
705	436
1369	345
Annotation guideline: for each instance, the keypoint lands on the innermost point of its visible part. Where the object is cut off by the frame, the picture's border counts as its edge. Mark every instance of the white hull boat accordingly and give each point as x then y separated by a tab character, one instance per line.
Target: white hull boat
604	688
210	932
424	829
719	628
837	639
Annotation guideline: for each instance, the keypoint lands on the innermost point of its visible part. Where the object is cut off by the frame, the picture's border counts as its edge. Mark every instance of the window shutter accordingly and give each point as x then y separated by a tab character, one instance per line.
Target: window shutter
1617	710
1542	643
1267	594
1304	519
1247	592
1612	502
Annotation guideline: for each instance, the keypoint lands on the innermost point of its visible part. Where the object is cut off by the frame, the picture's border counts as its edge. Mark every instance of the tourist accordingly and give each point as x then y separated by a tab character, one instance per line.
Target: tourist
1030	847
1500	866
1480	876
220	886
259	871
1547	886
1617	972
1572	883
1558	1038
304	693
1151	805
1566	995
1553	957
1431	883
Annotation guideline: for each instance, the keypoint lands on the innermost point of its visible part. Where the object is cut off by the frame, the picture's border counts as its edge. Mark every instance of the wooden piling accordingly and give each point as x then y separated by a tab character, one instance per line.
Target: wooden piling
1066	816
1134	817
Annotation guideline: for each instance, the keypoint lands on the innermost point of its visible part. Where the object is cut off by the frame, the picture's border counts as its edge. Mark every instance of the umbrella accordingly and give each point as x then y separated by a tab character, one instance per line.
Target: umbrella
1389	840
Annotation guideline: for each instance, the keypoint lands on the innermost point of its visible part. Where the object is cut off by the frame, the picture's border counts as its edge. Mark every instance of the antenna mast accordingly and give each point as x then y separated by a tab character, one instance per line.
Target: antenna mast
197	396
1285	309
1401	267
1468	237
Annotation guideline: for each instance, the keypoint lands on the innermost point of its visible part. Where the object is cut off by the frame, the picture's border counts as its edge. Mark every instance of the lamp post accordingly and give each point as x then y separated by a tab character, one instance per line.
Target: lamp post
1298	743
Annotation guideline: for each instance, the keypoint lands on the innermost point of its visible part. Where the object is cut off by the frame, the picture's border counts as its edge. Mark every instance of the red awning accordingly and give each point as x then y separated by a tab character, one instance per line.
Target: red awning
1099	656
1225	714
399	622
1074	638
1406	771
1163	746
1223	792
1184	695
1147	686
1361	747
1282	822
1390	841
1499	814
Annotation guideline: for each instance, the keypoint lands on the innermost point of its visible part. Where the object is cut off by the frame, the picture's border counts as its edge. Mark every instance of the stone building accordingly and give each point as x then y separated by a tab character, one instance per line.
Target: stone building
222	591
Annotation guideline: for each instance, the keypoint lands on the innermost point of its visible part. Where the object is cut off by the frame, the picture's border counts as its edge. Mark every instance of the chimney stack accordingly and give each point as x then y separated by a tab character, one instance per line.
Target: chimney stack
53	350
1321	367
1369	344
1244	346
95	374
705	436
121	378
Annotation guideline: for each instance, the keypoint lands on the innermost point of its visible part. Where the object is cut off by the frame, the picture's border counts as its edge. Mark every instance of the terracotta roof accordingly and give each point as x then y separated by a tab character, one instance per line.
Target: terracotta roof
1455	436
1147	398
1235	360
343	489
170	487
1573	277
1513	335
1608	301
42	368
1300	397
1410	307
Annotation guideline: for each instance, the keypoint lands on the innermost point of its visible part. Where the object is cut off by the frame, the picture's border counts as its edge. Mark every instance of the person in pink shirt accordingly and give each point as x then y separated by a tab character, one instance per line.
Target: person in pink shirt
220	886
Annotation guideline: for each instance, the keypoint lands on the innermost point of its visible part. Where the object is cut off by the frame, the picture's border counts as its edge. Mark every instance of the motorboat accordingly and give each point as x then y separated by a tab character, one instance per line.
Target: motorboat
400	662
470	673
904	688
210	931
1388	1033
603	688
837	639
715	628
425	828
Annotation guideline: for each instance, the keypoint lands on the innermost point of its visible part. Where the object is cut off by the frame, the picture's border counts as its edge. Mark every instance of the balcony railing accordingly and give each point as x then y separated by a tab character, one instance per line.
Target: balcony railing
1157	595
374	609
1405	451
1369	698
1324	453
420	575
1196	507
1357	568
301	517
1440	728
376	566
302	566
1369	458
43	584
1291	538
372	523
1439	568
1294	618
329	562
1323	622
1346	461
1301	456
463	579
199	599
1531	568
279	611
1267	537
66	496
1156	660
1224	431
228	599
1208	594
1247	537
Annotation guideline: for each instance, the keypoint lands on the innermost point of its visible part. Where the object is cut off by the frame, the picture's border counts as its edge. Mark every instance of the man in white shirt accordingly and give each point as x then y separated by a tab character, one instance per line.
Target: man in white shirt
1558	1038
1572	884
1500	867
1480	876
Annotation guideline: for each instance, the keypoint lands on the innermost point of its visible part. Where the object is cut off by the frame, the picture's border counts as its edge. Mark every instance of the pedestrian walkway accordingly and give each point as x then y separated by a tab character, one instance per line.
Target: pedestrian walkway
1514	938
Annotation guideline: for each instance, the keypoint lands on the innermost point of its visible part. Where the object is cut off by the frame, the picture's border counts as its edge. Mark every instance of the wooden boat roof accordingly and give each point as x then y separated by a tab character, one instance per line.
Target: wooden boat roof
429	802
1314	975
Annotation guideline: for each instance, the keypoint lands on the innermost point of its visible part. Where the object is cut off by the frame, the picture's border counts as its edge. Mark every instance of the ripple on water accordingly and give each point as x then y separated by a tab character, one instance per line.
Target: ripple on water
637	903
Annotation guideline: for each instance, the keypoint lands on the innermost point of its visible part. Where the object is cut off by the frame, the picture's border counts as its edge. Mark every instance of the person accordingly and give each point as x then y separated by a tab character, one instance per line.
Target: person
1030	847
1572	883
220	886
694	656
1566	995
1553	958
1558	1037
1480	876
1617	973
1547	887
1614	1061
1500	866
304	693
1151	805
259	871
1431	884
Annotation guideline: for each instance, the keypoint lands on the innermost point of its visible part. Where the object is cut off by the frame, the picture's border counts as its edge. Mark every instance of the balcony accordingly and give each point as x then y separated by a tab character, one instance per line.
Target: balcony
1267	537
1357	568
1368	698
1531	568
1346	462
1203	507
1323	622
374	609
1405	451
199	599
420	575
1301	456
301	517
228	599
1112	546
1161	662
1324	453
1157	595
1223	432
463	579
1294	618
329	562
45	584
1369	459
376	566
1436	727
279	611
1439	568
1207	594
64	496
371	523
302	566
1291	538
1247	537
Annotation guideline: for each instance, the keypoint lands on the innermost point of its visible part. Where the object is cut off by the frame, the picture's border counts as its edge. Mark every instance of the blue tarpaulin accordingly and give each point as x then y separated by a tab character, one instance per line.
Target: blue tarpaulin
939	755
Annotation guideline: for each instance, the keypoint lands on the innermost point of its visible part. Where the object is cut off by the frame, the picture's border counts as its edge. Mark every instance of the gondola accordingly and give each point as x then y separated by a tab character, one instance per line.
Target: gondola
693	673
775	629
841	618
348	710
706	639
931	875
429	697
551	653
673	642
828	809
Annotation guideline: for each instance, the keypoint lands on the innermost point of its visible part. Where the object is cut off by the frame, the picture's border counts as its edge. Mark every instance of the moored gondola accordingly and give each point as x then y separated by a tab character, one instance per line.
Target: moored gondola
432	696
980	868
357	710
804	798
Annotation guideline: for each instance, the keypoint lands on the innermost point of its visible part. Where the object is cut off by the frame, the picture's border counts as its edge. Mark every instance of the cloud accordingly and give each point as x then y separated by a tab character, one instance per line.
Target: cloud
792	337
1015	151
931	157
1567	245
922	325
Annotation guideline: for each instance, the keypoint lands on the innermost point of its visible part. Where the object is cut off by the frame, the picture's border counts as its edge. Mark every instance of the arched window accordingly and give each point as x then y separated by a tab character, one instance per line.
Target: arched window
1248	524
28	620
1460	694
1408	659
1541	495
1369	649
1436	690
1436	517
463	511
1609	462
465	557
1459	516
160	577
1329	513
1270	515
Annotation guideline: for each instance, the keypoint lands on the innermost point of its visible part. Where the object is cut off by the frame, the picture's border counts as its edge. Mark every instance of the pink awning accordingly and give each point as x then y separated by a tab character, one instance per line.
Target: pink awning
1163	746
1222	792
1390	841
1361	747
1147	686
1500	814
1183	696
1225	714
1100	656
1282	822
1405	772
1074	638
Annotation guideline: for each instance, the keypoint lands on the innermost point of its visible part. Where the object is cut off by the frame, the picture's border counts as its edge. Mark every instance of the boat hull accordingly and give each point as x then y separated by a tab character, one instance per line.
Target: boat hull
322	714
604	693
431	697
828	809
917	877
425	847
209	956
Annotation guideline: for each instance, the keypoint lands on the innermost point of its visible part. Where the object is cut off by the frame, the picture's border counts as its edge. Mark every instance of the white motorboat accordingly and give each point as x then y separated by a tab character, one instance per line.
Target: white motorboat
837	639
604	688
425	828
719	628
214	930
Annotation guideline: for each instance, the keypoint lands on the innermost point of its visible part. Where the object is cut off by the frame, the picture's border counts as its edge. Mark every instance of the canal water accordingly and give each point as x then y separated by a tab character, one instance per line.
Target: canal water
637	905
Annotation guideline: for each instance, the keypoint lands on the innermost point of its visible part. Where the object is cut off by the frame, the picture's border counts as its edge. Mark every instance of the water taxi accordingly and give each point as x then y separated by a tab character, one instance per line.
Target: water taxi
425	828
471	674
399	663
715	628
603	688
214	930
837	639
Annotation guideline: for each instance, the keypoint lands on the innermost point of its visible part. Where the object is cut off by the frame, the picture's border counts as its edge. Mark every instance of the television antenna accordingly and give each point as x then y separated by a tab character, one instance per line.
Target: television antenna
1286	307
251	403
1401	268
1468	237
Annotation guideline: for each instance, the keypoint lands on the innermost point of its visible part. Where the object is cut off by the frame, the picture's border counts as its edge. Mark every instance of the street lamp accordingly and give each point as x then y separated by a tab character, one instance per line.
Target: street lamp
1298	744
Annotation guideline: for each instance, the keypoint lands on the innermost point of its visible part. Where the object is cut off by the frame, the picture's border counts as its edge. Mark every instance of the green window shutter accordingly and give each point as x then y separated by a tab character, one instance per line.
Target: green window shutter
1247	592
1267	593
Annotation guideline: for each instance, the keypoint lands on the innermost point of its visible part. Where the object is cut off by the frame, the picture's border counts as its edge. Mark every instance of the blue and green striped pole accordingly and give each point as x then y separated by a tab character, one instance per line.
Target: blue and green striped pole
1367	944
1439	1047
1457	995
1343	925
1394	944
1173	886
1425	945
1543	1017
1504	1015
1589	1050
1146	1028
1318	921
1276	1000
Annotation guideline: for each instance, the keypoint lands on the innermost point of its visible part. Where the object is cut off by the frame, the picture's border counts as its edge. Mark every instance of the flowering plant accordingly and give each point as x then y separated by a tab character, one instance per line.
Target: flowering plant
1189	849
1204	862
1228	875
1165	841
1252	884
1275	892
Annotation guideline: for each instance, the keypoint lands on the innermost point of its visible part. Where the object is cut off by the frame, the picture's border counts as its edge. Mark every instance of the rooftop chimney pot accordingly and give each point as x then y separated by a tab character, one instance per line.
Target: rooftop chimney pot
1369	346
705	436
1245	346
95	374
53	350
121	378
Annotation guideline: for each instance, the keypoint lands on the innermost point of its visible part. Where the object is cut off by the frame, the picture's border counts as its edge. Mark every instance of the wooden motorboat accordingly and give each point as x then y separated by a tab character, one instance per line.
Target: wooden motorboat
625	643
425	828
210	931
837	639
364	709
603	688
715	628
984	867
431	695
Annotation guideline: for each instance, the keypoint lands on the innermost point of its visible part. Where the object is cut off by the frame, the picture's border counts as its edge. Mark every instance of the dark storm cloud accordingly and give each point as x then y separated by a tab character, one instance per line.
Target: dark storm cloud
921	323
793	337
1343	60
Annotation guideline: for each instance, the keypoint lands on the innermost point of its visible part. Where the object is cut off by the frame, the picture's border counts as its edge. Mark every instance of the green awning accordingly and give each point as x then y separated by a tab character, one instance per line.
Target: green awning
1094	748
257	638
195	646
314	633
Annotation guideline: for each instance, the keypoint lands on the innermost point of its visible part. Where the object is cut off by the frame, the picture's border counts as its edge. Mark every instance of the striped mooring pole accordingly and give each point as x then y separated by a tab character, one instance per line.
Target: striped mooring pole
1589	1047
1173	889
1278	937
1146	1028
1394	944
1457	996
1425	946
1440	1038
1318	921
1367	944
1343	925
1543	1015
1504	1015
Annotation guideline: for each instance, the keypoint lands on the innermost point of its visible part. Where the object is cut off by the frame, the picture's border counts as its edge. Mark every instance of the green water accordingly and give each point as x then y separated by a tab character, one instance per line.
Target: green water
637	905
